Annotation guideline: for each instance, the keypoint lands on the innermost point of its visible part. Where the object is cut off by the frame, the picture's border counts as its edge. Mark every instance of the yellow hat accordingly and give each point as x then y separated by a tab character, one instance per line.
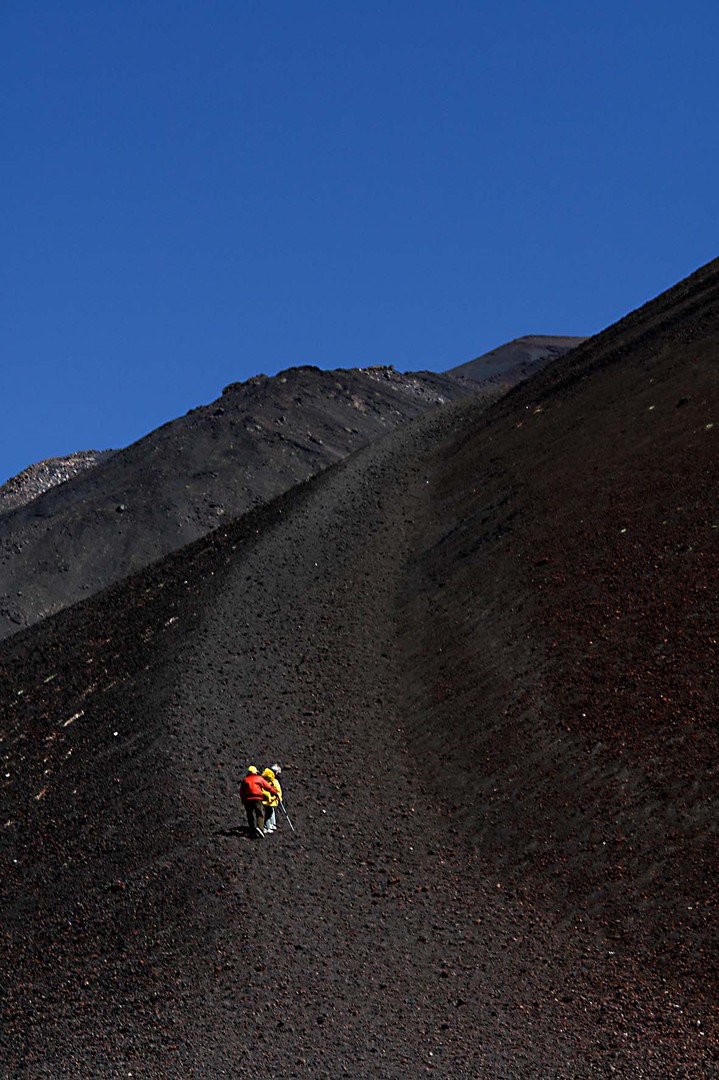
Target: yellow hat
253	770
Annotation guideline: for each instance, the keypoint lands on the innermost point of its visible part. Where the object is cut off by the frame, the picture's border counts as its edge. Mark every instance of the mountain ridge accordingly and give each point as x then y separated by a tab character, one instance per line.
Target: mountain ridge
259	438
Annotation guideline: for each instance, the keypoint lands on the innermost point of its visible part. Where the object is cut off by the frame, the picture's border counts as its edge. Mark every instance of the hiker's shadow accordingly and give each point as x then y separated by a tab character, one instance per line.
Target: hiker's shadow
233	831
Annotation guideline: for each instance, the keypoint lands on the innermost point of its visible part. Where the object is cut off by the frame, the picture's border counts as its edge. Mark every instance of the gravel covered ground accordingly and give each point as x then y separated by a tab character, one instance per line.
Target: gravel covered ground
484	649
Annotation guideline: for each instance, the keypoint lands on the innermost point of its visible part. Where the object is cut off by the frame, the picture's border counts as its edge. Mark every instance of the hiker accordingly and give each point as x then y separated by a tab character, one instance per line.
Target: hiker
270	801
252	790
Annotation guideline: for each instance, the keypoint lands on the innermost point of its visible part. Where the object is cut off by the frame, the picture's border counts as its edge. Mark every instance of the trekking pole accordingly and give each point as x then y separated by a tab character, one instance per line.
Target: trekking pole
287	816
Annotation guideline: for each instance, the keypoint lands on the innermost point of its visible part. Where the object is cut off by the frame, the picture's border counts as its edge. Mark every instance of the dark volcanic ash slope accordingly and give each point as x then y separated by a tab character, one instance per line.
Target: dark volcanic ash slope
515	361
143	931
581	517
485	649
259	439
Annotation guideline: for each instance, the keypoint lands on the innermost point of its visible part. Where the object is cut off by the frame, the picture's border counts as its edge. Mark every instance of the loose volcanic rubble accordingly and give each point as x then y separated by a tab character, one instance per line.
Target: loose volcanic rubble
37	479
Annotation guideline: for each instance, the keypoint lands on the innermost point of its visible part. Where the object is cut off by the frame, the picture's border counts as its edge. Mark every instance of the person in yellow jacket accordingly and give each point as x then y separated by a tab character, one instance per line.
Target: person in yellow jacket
269	800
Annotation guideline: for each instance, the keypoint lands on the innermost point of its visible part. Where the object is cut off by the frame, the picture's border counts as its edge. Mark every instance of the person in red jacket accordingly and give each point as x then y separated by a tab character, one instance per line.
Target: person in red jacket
252	789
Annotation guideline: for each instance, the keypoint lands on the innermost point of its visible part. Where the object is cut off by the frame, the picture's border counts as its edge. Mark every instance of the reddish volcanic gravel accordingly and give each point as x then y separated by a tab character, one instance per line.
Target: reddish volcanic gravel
495	709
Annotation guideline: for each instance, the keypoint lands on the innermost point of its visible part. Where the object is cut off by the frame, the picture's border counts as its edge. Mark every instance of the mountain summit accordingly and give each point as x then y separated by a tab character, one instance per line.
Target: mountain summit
517	359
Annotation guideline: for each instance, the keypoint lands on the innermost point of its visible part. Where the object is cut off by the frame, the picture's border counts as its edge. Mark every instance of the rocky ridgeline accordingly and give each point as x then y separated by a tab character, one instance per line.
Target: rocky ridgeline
71	527
39	478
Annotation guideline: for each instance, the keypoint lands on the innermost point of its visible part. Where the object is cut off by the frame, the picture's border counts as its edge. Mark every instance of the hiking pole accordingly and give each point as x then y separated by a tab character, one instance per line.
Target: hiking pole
287	816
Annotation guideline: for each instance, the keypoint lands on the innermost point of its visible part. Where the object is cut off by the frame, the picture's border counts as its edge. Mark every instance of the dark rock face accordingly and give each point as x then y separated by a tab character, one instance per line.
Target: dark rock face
136	505
484	649
514	362
39	478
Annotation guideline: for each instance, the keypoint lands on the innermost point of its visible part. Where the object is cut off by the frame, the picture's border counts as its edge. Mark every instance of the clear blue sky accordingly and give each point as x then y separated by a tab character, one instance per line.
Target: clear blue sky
199	190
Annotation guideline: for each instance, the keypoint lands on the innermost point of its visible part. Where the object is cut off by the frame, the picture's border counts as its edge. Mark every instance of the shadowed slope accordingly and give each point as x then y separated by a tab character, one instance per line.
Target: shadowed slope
571	581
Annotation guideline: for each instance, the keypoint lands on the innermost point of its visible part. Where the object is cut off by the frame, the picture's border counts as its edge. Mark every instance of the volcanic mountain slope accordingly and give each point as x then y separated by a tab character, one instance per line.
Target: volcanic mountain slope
136	505
485	649
40	477
515	361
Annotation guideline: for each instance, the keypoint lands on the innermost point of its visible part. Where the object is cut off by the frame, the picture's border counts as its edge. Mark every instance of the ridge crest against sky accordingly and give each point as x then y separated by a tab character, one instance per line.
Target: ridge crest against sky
197	193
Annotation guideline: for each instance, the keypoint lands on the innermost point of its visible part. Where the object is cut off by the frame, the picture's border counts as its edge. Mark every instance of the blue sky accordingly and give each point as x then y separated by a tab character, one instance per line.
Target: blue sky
195	192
